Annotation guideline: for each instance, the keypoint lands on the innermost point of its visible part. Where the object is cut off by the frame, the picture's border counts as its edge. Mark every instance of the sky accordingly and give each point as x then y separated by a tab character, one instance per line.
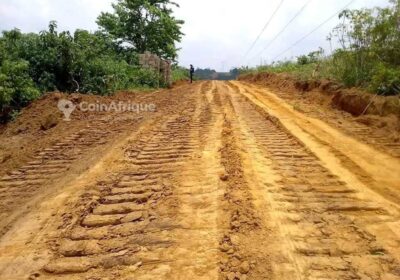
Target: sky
218	33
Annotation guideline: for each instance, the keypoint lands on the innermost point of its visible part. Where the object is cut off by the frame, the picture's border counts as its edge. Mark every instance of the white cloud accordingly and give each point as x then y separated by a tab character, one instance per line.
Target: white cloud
218	33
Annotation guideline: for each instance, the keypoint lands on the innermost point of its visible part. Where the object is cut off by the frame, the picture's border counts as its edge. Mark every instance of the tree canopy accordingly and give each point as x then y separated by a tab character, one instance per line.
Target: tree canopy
144	25
98	62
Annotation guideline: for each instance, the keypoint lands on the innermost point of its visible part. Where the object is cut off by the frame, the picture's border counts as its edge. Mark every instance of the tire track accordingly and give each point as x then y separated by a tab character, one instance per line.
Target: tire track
19	186
132	221
128	209
215	188
243	243
317	212
377	170
199	194
361	131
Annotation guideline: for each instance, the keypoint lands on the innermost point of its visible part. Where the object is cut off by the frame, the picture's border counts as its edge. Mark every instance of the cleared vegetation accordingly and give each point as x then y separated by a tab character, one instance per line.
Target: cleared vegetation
273	176
224	181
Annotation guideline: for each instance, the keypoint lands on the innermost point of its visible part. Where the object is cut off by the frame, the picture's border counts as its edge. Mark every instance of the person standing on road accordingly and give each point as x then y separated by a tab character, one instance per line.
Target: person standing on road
191	73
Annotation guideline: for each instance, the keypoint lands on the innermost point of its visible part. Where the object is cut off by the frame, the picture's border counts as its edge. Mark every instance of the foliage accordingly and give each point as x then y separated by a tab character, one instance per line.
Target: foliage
297	69
312	57
179	73
234	73
100	62
84	62
386	79
16	87
205	74
211	74
144	25
369	53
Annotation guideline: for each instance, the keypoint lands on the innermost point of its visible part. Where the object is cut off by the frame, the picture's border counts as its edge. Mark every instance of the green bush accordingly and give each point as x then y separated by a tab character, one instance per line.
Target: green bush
100	62
296	69
369	55
179	73
385	80
103	76
48	61
145	78
16	87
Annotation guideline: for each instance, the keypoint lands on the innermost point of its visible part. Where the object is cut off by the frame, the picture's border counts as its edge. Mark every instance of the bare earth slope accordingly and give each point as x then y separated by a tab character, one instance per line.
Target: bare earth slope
224	181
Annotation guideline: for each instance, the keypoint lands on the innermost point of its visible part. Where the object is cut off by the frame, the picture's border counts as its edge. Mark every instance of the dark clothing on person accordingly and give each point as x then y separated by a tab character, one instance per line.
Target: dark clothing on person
191	73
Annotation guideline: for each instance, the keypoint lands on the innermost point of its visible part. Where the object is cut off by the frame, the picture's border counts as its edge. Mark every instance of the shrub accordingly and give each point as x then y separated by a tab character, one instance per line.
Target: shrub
385	80
369	55
16	87
179	73
100	62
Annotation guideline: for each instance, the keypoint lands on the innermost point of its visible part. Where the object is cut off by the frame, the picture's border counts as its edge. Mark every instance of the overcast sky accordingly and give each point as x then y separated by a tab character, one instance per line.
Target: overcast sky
218	33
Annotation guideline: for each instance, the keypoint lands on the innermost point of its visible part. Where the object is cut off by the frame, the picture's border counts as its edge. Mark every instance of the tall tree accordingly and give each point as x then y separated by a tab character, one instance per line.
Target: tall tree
144	25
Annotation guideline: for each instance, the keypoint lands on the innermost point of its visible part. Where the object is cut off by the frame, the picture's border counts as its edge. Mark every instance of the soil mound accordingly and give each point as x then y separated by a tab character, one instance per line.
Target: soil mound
354	101
41	124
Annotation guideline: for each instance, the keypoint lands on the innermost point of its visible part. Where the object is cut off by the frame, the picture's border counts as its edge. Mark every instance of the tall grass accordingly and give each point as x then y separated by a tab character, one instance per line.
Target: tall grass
368	57
179	73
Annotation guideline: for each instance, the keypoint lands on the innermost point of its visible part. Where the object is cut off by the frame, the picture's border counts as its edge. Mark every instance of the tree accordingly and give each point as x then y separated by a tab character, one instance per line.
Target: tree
16	87
144	25
370	53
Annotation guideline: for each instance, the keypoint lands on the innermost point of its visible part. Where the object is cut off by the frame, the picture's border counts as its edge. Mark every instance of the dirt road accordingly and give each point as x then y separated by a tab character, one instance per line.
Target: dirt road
224	181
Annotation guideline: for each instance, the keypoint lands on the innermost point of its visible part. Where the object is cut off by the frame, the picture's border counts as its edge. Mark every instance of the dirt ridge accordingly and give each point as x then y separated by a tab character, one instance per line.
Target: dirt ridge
355	101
